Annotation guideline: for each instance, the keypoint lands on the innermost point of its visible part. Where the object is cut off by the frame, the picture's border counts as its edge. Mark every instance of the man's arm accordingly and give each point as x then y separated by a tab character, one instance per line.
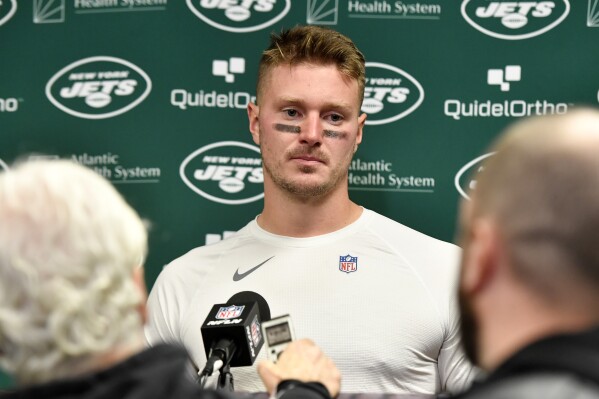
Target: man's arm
163	311
456	372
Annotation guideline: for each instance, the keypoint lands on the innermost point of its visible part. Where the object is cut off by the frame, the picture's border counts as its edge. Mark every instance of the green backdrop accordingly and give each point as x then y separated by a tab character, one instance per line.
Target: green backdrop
152	94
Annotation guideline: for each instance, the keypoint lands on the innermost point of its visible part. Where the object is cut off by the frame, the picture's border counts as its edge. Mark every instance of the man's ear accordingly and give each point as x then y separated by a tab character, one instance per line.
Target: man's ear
140	284
361	121
481	257
253	113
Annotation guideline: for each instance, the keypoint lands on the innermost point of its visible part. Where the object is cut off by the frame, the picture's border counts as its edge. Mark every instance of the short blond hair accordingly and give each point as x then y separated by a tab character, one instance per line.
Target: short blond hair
313	45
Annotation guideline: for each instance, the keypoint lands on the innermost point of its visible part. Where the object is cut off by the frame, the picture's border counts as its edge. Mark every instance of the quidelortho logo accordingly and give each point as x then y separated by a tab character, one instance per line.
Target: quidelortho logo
465	179
240	15
390	93
378	175
9	104
98	87
207	98
7	10
227	172
503	77
512	107
514	20
228	68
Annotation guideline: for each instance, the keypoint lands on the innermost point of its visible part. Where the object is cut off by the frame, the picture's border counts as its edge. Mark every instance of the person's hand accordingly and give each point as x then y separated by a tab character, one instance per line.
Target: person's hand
302	360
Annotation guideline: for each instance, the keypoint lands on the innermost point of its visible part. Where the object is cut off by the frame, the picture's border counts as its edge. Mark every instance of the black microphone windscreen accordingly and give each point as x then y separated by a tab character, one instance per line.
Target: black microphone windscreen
251	296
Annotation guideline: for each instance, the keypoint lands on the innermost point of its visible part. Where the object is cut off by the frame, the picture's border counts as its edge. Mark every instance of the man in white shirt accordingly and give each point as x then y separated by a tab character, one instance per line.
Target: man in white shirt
377	296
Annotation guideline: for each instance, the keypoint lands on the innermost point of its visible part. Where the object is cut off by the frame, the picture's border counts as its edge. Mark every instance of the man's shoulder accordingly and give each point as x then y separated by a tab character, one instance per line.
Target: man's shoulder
205	254
397	233
549	385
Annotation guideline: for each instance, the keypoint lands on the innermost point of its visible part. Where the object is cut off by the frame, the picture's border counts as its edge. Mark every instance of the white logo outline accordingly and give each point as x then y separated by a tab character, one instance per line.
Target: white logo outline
593	14
12	12
411	79
514	37
316	16
239	30
3	165
463	170
88	60
211	197
43	15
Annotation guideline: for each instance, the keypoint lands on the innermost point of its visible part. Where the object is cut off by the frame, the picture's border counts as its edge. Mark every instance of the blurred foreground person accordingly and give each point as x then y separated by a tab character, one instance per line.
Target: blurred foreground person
529	288
72	298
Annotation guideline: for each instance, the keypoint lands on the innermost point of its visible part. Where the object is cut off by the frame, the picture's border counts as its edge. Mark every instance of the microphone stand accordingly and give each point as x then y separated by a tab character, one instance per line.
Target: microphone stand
225	379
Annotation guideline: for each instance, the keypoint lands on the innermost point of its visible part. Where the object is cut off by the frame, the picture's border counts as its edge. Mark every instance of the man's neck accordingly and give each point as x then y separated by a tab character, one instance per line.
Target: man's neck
293	216
503	337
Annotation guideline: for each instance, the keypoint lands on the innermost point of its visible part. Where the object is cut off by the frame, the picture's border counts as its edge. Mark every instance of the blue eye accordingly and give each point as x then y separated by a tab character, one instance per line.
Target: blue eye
291	112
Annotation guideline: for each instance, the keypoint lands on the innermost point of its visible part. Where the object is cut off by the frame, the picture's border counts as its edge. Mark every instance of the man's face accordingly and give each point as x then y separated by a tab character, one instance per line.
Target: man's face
308	127
468	323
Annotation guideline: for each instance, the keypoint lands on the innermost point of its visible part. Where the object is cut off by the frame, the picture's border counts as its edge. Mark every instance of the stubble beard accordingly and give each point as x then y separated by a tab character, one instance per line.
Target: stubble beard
306	189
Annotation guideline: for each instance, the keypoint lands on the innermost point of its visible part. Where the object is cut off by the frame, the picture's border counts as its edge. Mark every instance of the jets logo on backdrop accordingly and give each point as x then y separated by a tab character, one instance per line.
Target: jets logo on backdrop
240	15
98	87
348	263
7	10
514	20
390	93
229	312
465	179
228	172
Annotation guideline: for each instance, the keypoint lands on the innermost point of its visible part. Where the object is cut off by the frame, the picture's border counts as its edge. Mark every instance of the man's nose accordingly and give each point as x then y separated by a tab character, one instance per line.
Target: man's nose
311	130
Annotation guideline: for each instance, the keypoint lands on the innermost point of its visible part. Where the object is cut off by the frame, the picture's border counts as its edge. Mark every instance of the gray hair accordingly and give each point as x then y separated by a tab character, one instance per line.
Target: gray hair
68	246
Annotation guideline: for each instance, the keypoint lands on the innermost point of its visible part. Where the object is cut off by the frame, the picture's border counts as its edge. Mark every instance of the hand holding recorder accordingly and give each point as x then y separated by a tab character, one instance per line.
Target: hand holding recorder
303	361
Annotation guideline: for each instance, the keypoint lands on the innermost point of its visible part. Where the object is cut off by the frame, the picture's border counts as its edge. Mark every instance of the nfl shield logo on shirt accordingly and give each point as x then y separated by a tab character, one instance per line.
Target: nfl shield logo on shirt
348	263
229	312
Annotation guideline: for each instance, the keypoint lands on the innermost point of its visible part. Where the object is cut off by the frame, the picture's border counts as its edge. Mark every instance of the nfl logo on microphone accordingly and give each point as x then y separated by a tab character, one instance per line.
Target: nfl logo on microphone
348	263
229	312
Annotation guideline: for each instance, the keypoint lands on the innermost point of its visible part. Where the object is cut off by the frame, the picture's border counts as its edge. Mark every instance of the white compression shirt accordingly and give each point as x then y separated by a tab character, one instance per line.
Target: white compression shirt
388	319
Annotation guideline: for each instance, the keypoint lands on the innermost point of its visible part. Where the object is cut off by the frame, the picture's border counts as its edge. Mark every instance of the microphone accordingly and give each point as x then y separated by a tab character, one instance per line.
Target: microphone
231	333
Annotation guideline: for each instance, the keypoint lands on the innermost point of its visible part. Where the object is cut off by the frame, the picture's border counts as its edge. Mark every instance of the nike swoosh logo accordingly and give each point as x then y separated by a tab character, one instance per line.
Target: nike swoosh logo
237	276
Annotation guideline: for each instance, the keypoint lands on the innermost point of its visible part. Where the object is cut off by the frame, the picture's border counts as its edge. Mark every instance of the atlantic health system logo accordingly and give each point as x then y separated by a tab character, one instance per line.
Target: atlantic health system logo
227	172
98	87
240	15
390	93
514	20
